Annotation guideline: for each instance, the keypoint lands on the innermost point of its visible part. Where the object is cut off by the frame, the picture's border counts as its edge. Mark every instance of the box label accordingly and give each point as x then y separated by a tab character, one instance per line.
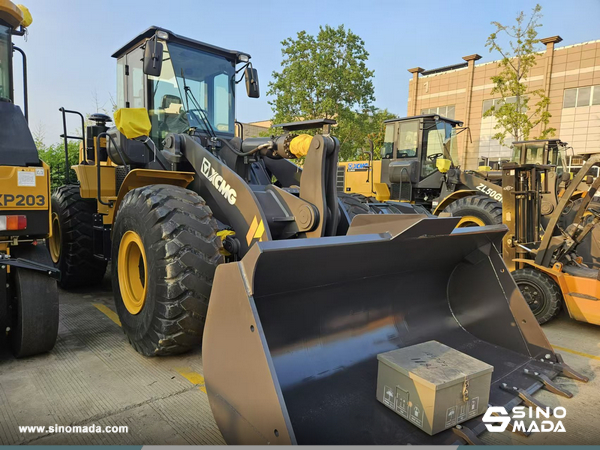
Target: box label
473	407
416	416
451	416
39	172
402	402
462	412
388	397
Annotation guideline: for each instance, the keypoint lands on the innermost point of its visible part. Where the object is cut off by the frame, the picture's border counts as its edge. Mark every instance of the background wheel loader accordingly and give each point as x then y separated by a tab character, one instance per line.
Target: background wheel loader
29	296
418	165
304	293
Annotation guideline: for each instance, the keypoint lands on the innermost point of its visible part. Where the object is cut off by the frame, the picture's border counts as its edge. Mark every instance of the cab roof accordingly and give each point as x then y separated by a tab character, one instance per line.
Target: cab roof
539	141
426	116
10	13
135	42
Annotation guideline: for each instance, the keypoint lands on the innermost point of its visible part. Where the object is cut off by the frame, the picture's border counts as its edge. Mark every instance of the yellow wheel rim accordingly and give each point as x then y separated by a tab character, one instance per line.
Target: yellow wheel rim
133	275
470	221
54	241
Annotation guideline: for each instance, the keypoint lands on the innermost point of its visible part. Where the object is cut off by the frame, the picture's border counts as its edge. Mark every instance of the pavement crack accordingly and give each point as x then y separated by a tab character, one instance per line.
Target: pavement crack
89	420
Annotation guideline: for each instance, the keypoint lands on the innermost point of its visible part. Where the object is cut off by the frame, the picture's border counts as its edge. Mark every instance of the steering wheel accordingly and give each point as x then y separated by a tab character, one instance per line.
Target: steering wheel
434	156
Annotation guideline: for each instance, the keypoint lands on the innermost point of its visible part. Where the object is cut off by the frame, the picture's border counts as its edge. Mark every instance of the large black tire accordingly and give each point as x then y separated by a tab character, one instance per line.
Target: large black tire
74	239
34	304
177	234
541	293
476	210
351	205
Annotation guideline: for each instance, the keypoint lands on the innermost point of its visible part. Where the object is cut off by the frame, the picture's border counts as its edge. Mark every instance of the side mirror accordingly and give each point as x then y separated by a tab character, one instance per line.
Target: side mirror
251	75
153	55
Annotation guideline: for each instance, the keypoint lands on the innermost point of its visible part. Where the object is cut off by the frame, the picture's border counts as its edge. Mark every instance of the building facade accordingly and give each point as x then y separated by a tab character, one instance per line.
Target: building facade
569	75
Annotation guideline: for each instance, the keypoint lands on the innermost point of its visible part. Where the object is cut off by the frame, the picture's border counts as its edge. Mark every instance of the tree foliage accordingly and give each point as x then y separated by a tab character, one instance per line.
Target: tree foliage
516	119
54	156
326	76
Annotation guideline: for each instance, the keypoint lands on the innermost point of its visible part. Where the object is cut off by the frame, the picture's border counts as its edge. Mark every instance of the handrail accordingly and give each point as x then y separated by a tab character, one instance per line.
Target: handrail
66	136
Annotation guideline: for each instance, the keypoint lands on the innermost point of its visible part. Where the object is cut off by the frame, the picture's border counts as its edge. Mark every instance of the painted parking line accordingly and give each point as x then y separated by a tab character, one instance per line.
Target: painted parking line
185	372
575	352
108	312
192	377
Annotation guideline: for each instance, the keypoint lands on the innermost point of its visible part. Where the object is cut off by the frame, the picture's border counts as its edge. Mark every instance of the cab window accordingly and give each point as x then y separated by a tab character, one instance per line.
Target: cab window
388	141
434	145
408	139
5	62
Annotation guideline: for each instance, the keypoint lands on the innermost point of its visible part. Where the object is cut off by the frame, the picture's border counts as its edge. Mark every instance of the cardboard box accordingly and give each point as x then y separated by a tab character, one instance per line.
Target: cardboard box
433	386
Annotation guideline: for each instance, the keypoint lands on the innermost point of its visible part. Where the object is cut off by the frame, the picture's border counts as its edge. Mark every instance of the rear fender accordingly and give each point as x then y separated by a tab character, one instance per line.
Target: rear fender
145	177
452	198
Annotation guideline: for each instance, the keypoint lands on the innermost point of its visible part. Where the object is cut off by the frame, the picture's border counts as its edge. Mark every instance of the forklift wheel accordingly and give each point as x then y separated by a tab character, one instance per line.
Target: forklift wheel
476	211
541	293
165	253
34	297
71	244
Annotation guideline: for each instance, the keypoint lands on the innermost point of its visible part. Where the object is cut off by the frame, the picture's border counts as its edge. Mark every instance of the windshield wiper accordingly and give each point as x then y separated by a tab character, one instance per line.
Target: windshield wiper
203	115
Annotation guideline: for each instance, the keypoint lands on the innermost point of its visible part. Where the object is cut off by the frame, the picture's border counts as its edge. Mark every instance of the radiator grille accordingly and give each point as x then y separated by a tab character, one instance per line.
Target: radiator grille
340	178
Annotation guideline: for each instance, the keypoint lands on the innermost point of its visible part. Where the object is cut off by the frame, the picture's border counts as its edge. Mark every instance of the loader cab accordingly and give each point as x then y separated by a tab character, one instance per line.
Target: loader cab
189	85
414	150
548	152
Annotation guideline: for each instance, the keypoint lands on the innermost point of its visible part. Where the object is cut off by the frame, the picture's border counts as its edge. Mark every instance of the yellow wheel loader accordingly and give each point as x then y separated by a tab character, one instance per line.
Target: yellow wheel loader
291	289
29	296
418	165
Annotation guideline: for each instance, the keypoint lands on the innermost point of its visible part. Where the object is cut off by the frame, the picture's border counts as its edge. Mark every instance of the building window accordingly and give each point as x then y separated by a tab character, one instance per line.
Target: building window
583	96
444	111
496	102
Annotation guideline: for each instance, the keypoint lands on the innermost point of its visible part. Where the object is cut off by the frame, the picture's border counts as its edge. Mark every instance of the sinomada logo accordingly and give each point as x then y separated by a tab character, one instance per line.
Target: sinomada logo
218	182
496	419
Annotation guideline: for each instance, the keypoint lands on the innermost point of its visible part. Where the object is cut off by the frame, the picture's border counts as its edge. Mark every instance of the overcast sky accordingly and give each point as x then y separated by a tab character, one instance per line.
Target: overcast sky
70	42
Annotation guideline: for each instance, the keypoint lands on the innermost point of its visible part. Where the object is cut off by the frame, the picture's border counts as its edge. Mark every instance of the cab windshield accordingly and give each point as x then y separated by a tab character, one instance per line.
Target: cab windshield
5	62
439	141
194	90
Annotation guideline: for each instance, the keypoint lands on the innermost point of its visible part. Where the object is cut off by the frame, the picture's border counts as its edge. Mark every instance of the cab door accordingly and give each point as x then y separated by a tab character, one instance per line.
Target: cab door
135	79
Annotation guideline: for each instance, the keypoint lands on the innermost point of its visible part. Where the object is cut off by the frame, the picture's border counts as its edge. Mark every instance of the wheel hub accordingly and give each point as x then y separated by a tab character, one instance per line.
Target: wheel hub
132	272
533	296
470	221
54	242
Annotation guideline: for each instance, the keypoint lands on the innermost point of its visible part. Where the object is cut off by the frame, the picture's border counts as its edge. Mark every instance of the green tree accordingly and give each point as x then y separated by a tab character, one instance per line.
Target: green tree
54	156
326	76
516	119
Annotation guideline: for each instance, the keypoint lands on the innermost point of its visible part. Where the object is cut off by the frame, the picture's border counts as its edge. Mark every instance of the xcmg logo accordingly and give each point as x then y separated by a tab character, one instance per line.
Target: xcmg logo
358	167
218	182
496	419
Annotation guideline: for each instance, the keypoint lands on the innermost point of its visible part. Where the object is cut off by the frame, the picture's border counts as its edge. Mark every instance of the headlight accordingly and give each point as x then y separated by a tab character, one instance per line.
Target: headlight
243	58
162	35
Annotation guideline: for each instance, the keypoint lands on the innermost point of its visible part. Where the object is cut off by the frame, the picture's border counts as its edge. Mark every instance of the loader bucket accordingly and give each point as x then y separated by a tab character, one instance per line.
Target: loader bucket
293	329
